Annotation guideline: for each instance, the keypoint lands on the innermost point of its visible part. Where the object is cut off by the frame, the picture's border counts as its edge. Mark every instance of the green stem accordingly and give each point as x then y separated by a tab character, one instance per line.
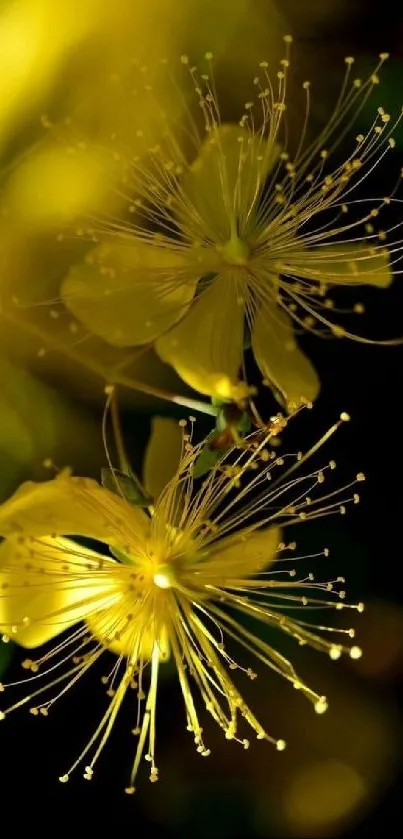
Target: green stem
115	377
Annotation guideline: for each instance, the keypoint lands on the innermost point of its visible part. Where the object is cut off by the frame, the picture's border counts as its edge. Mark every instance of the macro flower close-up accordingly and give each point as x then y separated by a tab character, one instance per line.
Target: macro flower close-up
201	354
235	239
177	581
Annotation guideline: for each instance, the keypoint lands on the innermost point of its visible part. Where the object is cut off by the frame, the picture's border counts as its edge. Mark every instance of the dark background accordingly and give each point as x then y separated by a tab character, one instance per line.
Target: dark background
217	797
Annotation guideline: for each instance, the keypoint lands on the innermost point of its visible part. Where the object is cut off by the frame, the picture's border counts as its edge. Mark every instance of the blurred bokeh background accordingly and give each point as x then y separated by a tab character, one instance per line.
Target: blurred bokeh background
69	97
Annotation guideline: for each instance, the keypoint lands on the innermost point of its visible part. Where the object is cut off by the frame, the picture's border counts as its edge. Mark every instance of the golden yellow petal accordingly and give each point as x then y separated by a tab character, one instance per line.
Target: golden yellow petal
47	585
137	636
162	455
243	555
344	264
284	366
206	347
224	181
131	293
67	506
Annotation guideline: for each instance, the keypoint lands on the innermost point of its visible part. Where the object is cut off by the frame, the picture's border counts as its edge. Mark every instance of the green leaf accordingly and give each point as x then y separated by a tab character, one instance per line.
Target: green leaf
232	424
126	485
208	457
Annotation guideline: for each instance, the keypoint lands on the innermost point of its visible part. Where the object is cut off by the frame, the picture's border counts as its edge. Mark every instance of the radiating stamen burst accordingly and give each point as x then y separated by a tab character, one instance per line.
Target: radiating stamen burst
233	229
185	580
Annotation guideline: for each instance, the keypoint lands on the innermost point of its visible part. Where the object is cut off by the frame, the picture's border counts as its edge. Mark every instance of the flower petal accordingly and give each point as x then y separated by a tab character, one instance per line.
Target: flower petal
67	506
225	180
344	264
244	554
47	585
206	347
130	294
283	365
162	455
135	634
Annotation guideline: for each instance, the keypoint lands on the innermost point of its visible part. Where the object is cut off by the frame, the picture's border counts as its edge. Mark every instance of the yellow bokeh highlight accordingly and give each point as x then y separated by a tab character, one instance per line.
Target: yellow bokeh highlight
321	795
55	185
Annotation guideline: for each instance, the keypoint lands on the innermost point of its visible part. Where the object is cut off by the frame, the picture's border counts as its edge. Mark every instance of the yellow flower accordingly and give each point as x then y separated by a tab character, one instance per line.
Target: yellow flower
176	580
233	238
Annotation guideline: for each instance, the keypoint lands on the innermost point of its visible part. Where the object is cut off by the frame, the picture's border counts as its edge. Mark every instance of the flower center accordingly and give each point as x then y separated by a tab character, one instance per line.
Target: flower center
235	251
165	576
